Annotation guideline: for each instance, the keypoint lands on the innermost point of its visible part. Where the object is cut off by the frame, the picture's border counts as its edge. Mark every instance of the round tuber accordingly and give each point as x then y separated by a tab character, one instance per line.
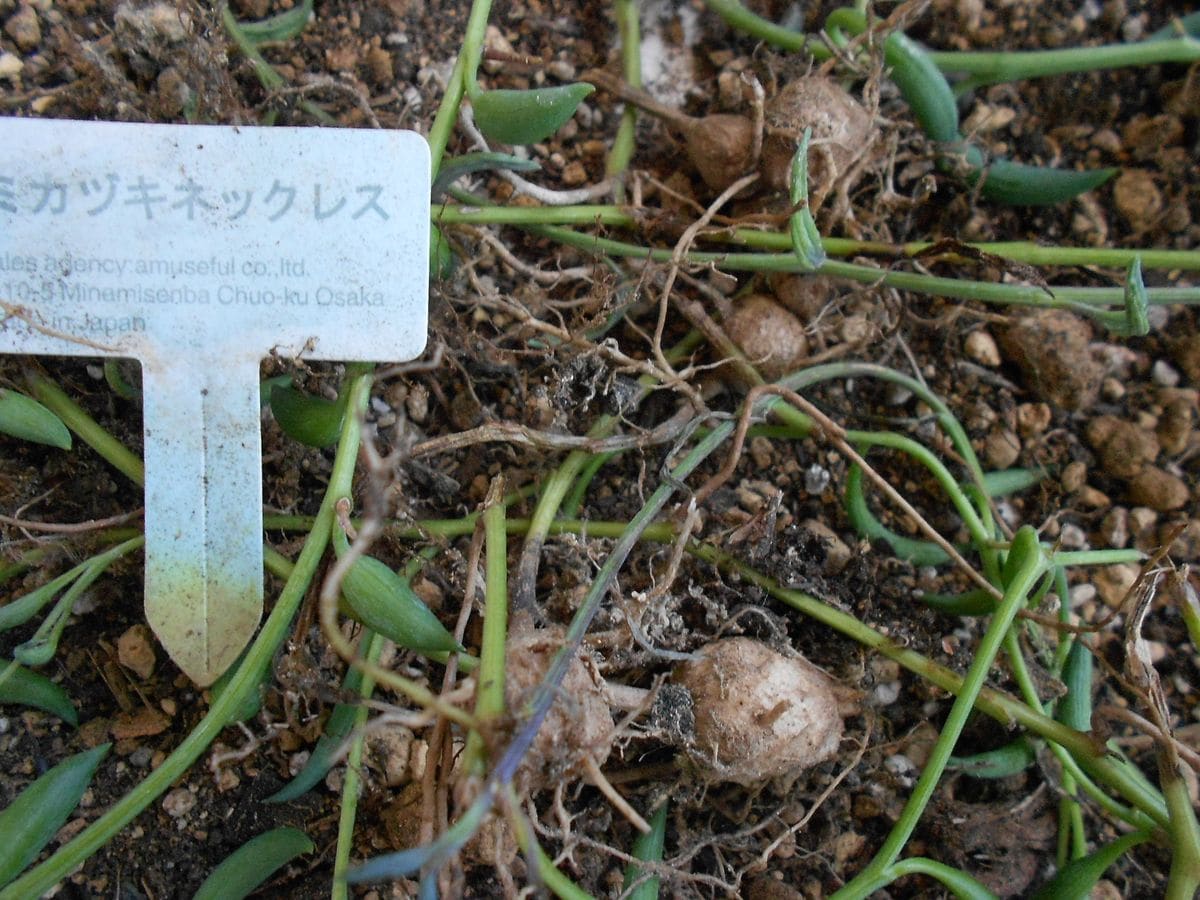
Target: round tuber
722	146
579	726
772	339
841	132
760	716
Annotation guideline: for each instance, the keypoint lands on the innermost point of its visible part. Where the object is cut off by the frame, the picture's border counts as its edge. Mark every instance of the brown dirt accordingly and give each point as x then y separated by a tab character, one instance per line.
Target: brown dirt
359	61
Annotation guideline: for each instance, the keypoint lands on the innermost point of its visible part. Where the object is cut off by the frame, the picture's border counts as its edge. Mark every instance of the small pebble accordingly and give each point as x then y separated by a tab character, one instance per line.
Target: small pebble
1138	198
816	479
10	66
1072	537
178	803
1074	475
1114	529
1113	583
1158	489
135	651
1002	448
1164	374
23	27
981	347
1033	418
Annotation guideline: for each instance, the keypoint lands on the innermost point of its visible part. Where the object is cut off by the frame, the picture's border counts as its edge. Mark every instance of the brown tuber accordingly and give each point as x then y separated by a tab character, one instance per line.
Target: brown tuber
741	711
760	716
772	339
578	731
722	146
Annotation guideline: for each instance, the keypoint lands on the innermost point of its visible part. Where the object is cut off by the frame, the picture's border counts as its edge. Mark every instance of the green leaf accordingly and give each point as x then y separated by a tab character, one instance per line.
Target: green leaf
324	754
1020	185
1076	880
387	604
26	688
1075	708
1012	481
458	166
806	238
919	553
648	848
281	27
253	863
252	702
977	602
923	87
313	421
442	261
1137	301
23	417
22	609
117	381
523	117
40	810
1011	759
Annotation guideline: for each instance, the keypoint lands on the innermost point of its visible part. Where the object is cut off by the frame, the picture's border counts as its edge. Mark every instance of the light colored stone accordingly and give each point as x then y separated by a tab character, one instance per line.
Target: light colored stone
135	651
1002	448
10	66
981	347
178	803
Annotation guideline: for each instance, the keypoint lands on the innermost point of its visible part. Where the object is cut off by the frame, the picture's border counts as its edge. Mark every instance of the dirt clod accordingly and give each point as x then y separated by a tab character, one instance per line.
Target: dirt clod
1159	490
1050	347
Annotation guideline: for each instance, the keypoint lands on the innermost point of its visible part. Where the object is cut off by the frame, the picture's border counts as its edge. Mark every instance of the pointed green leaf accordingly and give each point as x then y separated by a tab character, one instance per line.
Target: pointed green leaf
281	27
1137	301
323	755
648	848
469	163
22	609
1020	185
923	87
253	863
313	421
1074	709
25	418
441	255
977	602
1012	481
523	117
40	810
26	688
387	604
919	553
1011	759
1076	879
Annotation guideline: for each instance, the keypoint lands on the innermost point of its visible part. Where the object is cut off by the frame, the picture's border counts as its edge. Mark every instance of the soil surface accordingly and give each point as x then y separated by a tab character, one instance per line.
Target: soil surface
1111	422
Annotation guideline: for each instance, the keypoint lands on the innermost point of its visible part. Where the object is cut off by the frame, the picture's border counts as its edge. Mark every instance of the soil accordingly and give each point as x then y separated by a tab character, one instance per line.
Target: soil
1112	422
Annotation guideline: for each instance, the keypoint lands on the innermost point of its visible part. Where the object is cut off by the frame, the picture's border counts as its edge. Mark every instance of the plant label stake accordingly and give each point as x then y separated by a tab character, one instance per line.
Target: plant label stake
198	250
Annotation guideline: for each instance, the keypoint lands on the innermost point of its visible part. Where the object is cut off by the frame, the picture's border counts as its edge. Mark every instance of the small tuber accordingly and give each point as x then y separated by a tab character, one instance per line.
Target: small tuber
760	716
772	339
722	146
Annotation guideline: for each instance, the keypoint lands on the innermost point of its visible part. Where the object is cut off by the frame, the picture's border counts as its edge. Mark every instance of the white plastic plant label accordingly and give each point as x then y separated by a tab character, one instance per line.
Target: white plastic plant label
199	250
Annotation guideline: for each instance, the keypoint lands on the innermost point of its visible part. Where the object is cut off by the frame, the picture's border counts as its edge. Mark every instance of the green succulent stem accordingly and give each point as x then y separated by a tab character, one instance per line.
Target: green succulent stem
352	780
88	429
1001	66
1014	251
